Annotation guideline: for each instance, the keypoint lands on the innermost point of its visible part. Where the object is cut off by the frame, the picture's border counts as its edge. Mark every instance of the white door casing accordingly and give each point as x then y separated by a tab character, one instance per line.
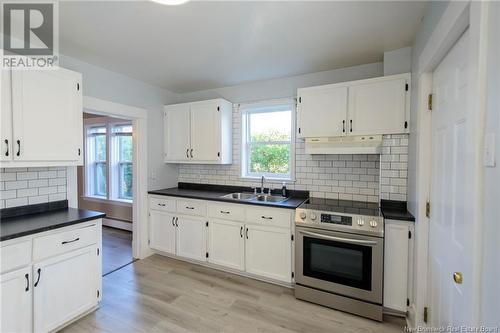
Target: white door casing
450	241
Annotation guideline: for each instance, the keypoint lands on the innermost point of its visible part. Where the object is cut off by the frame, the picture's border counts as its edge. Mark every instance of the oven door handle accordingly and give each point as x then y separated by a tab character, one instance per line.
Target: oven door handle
340	239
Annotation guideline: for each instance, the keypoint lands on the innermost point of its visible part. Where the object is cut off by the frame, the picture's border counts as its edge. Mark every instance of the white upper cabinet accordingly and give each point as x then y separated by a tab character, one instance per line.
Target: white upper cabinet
378	107
321	111
199	132
365	107
43	118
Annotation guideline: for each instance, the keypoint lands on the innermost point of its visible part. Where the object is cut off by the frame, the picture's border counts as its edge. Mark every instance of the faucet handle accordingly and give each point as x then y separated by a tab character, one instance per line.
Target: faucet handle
269	191
254	190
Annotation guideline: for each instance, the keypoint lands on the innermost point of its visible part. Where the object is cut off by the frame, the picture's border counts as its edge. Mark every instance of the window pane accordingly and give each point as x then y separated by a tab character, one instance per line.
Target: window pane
125	181
125	146
271	158
270	126
123	129
100	147
97	130
100	179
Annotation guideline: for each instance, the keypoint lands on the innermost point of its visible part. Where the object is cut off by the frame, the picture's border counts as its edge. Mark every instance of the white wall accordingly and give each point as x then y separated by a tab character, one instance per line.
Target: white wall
104	84
284	87
397	61
490	307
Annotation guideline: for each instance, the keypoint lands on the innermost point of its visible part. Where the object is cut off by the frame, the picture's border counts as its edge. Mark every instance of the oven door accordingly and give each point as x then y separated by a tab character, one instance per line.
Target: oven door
341	263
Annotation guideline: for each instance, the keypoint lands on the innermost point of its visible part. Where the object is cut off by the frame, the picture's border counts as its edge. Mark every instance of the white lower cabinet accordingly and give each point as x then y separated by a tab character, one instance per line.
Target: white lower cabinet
191	237
65	286
47	294
162	231
226	244
16	294
268	252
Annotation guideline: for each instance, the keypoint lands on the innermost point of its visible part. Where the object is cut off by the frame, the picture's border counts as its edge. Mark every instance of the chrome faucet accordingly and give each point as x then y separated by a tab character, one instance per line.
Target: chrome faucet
262	180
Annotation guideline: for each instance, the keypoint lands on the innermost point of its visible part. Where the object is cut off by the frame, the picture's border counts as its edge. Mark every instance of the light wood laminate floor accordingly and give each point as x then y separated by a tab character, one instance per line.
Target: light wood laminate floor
160	294
116	249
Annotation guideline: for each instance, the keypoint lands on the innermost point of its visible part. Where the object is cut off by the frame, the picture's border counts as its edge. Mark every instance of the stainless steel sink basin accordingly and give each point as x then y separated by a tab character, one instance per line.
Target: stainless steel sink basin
270	198
239	196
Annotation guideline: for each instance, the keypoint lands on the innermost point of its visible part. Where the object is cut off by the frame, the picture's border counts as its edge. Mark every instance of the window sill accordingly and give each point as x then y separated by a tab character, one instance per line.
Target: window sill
119	202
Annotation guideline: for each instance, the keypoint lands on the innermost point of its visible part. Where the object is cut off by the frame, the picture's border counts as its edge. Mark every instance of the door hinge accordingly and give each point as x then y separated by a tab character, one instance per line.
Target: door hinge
149	241
79	151
426	314
429	102
98	293
406	124
78	86
97	251
428	209
293	275
299	130
206	255
406	87
407	302
218	154
300	99
206	223
218	108
292	237
409	234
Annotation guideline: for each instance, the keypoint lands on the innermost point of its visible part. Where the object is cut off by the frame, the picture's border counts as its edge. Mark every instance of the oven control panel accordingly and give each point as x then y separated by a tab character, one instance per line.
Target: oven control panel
373	225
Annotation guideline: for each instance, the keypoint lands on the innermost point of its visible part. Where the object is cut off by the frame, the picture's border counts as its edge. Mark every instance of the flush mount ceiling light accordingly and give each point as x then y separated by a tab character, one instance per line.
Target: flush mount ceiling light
171	2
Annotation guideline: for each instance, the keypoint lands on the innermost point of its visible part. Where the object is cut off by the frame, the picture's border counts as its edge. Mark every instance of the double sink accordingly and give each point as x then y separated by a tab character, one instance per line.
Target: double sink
255	197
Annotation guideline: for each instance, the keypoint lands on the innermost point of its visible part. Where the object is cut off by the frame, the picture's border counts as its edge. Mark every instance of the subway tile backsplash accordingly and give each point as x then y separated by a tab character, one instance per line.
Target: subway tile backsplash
29	186
357	177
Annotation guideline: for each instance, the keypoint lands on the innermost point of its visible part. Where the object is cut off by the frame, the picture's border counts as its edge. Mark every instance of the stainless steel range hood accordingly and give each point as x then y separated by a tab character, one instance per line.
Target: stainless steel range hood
369	144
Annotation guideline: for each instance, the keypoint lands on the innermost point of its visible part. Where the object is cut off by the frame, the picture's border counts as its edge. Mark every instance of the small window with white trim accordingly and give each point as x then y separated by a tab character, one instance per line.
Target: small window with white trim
97	161
268	140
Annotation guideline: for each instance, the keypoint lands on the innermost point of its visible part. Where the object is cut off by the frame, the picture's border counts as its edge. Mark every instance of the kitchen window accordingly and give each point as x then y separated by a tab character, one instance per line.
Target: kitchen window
108	160
268	140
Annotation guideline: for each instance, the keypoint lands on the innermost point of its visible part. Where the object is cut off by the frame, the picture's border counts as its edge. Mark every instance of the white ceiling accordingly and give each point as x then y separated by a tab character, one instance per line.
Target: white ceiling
203	45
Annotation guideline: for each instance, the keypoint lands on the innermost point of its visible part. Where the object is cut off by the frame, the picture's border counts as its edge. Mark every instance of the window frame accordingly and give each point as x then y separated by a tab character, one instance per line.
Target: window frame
117	160
90	159
266	107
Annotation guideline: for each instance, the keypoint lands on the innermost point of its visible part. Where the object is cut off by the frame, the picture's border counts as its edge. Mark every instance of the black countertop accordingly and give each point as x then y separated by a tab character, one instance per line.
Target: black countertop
395	210
23	225
215	193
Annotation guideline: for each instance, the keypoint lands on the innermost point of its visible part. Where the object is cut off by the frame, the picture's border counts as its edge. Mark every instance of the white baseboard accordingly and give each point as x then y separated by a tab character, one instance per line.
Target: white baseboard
117	224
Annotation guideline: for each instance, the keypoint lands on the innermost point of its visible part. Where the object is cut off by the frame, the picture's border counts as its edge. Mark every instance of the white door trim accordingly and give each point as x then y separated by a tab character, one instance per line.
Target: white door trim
457	17
139	119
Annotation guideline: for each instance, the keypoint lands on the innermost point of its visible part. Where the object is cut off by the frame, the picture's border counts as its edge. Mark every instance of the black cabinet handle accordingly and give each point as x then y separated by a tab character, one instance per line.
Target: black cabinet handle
173	219
267	217
18	147
176	221
191	152
27	282
343	126
162	205
7	145
241	231
246	233
351	124
187	207
39	271
71	241
224	212
187	153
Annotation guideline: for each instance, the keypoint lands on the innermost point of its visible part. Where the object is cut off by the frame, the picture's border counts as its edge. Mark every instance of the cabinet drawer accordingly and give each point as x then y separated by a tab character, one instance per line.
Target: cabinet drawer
269	216
164	204
226	212
50	245
15	255
191	207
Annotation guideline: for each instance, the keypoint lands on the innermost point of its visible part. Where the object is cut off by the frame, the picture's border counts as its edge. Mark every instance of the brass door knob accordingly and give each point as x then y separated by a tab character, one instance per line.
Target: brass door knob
457	277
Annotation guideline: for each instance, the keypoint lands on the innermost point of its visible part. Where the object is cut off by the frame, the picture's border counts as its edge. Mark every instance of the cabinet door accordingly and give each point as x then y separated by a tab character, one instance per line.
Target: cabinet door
268	252
191	239
226	244
65	287
396	258
205	131
16	311
378	107
177	125
6	116
47	115
322	112
162	231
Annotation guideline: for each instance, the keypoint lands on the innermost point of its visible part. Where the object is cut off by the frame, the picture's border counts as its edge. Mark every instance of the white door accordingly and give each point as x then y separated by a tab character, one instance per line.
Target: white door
47	115
268	252
378	107
321	112
6	117
162	231
15	292
65	287
191	239
177	125
226	244
450	233
205	131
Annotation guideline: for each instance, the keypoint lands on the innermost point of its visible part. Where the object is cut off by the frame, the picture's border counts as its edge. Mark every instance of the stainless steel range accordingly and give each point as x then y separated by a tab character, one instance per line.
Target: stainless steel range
339	255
